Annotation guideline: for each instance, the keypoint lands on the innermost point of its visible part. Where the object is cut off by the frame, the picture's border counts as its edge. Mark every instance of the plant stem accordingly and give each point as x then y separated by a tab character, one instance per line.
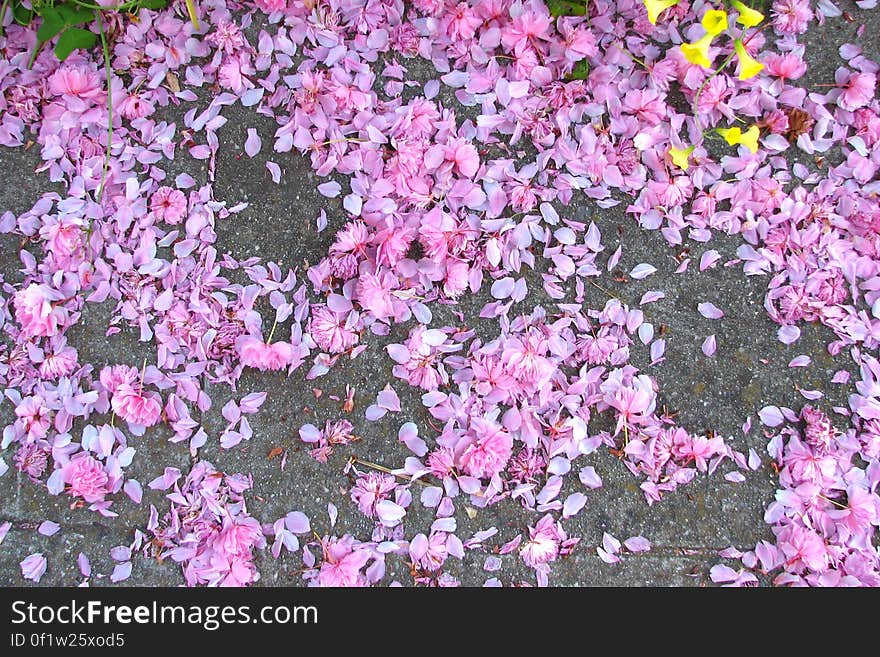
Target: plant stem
381	468
721	68
109	73
36	51
631	56
191	10
88	5
122	7
3	14
705	82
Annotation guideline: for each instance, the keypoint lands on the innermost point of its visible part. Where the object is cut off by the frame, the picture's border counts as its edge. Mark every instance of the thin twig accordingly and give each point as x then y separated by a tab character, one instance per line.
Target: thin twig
381	468
109	73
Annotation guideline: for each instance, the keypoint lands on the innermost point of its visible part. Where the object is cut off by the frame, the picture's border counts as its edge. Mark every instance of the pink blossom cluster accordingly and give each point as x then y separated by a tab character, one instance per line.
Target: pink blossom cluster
334	433
207	528
516	422
826	513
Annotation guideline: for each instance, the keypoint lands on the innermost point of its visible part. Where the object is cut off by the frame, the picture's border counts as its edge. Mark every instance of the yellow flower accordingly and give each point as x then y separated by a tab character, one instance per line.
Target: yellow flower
731	135
680	157
714	22
749	67
749	138
748	17
735	136
698	51
657	7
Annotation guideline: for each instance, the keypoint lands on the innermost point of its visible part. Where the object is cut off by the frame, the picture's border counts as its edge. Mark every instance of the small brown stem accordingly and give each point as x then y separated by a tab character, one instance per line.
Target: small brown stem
381	468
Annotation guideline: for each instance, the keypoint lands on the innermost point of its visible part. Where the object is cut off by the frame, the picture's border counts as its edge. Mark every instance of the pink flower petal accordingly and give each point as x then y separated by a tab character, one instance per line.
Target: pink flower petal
253	143
709	346
48	528
771	416
642	270
709	310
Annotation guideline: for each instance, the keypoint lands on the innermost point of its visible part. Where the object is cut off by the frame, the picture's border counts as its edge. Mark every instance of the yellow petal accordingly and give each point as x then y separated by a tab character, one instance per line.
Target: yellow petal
698	51
657	7
680	157
749	67
749	138
714	22
748	17
731	135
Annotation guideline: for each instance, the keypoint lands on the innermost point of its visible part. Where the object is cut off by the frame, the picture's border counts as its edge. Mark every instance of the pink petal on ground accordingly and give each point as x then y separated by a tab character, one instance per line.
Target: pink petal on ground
651	296
589	478
309	433
573	504
390	513
253	143
275	171
606	556
388	399
251	403
85	568
431	496
637	544
771	416
709	346
502	288
121	572
642	270
840	376
615	258
754	459
332	513
409	436
398	352
610	543
709	259
800	361
33	567
48	528
330	189
492	564
709	310
166	480
658	348
297	522
375	412
721	573
788	334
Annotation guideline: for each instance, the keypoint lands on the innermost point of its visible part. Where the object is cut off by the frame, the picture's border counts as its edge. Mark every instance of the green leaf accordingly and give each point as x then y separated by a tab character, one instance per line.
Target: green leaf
52	24
567	8
22	15
154	4
75	15
71	39
580	71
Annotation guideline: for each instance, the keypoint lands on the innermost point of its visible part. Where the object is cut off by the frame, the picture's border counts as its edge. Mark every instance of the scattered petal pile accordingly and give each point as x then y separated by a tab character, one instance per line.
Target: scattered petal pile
621	105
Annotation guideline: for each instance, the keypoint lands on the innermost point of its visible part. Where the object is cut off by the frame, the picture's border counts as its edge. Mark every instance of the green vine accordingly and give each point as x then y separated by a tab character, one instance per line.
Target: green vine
71	24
